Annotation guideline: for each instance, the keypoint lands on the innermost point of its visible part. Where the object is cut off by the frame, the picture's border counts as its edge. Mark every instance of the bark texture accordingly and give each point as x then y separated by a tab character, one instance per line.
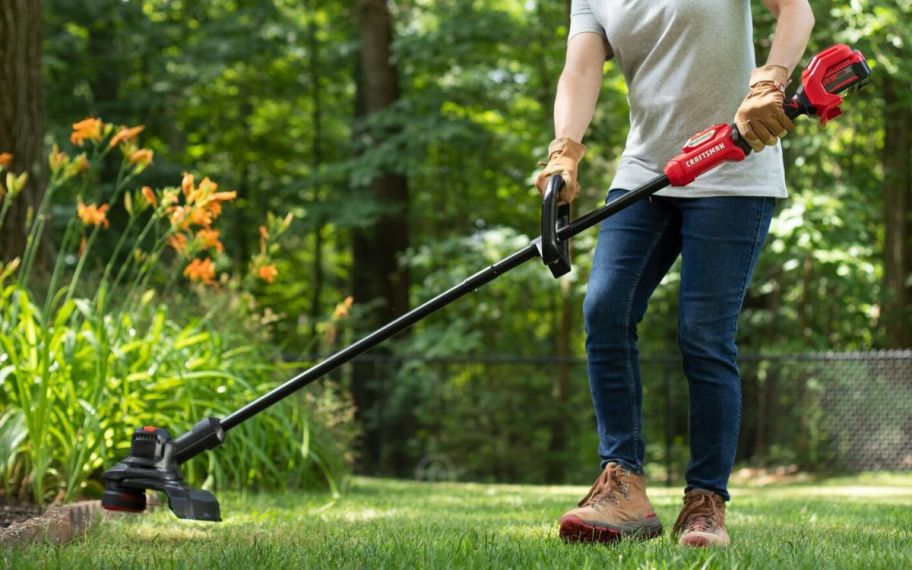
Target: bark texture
378	279
21	112
897	161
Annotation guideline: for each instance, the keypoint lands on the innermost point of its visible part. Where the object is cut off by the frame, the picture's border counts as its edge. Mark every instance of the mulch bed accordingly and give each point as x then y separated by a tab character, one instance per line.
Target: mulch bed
10	513
22	524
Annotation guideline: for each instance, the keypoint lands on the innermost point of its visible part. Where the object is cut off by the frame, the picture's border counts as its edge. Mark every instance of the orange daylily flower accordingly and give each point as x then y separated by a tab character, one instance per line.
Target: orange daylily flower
149	195
86	129
207	186
210	239
203	193
178	242
179	216
214	208
343	307
6	159
200	217
93	215
187	183
141	157
224	196
201	270
267	273
125	134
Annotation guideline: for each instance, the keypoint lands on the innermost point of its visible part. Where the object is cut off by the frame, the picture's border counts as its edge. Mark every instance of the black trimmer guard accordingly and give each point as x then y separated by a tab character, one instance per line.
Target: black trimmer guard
153	463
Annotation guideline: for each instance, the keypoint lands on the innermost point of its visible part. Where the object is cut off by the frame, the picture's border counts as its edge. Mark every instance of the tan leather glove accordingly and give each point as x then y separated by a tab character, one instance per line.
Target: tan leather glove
761	118
564	155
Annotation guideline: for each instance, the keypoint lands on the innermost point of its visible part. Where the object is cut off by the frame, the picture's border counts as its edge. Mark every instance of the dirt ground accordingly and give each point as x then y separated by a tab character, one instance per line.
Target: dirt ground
11	512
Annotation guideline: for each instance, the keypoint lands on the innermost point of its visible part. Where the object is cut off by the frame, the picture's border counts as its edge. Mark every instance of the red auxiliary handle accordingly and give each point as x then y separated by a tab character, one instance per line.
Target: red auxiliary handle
835	70
703	152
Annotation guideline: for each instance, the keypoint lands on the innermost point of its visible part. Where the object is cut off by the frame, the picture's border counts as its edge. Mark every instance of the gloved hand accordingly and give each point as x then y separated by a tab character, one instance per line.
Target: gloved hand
564	155
761	118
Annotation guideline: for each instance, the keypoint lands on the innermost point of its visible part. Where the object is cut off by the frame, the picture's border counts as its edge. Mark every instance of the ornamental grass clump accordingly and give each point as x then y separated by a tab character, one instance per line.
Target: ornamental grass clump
86	356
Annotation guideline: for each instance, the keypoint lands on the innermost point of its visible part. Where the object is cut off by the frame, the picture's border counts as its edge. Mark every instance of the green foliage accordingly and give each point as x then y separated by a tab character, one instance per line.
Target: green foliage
76	389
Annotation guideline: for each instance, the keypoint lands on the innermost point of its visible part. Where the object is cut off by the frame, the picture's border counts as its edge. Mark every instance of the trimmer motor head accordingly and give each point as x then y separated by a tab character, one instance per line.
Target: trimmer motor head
153	463
836	70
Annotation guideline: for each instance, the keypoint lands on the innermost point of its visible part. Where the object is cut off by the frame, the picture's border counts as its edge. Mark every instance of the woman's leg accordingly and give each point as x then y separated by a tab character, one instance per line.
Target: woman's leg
635	249
721	241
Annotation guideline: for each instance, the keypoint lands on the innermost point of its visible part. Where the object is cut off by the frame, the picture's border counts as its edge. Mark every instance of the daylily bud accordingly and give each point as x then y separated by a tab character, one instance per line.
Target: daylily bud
15	184
57	159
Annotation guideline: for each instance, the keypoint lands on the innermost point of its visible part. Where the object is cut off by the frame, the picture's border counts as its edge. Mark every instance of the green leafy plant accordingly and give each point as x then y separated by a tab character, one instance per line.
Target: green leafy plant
85	364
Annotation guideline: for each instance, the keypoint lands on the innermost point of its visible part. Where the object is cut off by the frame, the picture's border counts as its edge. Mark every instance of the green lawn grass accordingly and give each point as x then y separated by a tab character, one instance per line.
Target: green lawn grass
862	522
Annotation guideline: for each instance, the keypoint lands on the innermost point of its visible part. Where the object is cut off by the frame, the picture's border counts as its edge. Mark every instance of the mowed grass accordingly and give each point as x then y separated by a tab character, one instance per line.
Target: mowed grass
863	522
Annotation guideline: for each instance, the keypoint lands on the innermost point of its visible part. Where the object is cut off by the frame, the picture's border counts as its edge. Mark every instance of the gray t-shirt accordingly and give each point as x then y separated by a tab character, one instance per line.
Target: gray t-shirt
687	64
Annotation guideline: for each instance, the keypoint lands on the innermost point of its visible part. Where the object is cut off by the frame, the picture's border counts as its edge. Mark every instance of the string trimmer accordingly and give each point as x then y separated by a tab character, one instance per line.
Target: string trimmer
155	457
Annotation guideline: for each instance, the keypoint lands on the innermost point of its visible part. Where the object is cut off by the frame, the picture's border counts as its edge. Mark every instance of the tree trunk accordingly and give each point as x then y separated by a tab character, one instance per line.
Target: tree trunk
378	280
566	309
897	162
21	113
557	447
316	155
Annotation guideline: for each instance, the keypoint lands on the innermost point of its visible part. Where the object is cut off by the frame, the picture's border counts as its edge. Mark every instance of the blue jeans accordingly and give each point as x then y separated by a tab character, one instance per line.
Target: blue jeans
719	240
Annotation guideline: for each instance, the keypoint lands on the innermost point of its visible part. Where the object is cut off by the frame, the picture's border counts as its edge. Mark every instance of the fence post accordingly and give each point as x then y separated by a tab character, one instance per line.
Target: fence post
669	428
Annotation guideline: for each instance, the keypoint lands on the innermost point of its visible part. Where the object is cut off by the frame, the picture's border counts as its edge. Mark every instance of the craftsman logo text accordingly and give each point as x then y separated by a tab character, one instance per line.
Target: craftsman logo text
703	155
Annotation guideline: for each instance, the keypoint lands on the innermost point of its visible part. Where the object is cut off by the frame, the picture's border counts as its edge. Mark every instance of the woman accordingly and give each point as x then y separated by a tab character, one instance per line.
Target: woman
688	65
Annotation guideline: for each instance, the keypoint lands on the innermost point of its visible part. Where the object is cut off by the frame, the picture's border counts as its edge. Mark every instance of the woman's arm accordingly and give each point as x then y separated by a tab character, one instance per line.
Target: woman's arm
794	22
761	119
577	92
579	85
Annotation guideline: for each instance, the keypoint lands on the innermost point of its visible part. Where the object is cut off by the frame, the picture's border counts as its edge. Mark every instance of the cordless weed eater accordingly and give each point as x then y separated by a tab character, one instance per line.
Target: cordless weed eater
155	457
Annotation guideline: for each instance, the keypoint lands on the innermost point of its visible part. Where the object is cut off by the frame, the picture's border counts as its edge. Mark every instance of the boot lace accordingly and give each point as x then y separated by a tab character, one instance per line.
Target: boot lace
609	484
701	513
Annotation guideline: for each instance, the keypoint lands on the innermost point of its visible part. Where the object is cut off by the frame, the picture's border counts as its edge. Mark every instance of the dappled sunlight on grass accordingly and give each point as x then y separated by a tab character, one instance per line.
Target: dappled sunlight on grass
861	492
364	515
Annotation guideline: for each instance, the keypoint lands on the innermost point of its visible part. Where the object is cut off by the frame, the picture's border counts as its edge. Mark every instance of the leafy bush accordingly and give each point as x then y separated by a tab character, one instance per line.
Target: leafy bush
84	366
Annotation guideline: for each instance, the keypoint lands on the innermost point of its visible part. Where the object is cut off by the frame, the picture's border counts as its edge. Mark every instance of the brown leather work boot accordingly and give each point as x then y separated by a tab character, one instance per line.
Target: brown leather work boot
616	507
702	520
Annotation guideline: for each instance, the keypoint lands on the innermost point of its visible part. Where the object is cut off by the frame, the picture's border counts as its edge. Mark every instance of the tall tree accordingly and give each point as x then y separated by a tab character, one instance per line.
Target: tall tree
316	157
897	162
21	112
377	277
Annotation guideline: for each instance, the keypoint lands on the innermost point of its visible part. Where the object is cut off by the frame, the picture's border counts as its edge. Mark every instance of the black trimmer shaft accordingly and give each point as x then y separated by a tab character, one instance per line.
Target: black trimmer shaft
154	462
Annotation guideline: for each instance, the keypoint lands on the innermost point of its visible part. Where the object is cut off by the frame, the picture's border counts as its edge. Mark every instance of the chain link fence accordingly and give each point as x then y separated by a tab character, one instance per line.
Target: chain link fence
530	419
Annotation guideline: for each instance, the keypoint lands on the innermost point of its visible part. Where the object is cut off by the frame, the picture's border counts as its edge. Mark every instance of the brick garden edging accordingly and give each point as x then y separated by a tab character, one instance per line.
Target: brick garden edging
57	525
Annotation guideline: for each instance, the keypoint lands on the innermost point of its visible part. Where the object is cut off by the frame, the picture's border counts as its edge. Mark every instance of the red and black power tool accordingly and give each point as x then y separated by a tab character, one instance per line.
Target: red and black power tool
838	69
155	457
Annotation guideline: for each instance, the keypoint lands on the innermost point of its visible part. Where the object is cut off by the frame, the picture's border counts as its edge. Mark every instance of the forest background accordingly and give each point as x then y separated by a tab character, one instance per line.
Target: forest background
403	137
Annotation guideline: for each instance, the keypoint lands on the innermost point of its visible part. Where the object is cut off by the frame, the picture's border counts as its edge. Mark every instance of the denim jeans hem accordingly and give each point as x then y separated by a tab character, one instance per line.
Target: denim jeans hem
721	492
625	464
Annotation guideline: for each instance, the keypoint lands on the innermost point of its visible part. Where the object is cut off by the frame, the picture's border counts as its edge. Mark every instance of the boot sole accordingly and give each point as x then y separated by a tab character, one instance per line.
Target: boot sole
574	529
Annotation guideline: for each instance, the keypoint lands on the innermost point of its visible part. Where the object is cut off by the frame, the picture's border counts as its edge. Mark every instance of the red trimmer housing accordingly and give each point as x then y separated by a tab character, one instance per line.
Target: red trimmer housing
837	69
